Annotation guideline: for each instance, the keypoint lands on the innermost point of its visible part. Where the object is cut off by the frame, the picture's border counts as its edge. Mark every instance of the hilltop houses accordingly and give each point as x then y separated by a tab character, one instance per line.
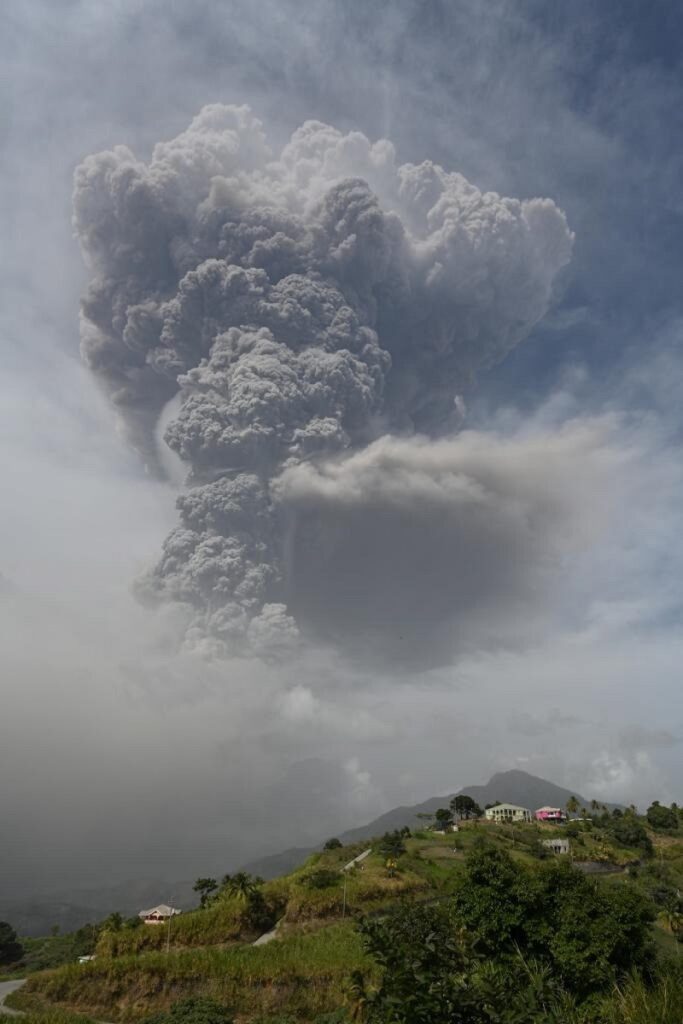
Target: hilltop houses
553	815
504	814
157	915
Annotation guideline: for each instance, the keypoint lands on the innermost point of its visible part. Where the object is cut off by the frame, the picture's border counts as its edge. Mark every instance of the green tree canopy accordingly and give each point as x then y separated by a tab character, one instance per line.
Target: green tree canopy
113	923
333	844
242	885
11	950
517	945
628	831
206	887
586	934
391	844
465	807
661	817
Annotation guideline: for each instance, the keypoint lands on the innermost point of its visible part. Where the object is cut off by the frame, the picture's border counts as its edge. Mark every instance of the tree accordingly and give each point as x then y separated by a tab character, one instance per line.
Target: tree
661	818
432	973
113	923
206	887
628	831
333	844
444	818
242	885
572	805
11	949
586	935
465	807
322	878
391	845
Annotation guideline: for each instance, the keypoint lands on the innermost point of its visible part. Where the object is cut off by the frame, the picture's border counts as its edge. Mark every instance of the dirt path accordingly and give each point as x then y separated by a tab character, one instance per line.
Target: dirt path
5	988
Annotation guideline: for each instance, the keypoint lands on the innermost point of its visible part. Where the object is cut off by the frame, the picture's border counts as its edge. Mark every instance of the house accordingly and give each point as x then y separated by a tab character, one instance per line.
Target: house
551	814
559	846
157	915
507	813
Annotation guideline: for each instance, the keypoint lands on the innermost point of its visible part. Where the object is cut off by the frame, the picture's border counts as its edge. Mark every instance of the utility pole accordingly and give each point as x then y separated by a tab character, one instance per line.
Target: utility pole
168	932
344	898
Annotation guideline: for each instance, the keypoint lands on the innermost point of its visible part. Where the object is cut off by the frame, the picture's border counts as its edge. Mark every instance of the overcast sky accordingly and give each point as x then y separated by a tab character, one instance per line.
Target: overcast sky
496	586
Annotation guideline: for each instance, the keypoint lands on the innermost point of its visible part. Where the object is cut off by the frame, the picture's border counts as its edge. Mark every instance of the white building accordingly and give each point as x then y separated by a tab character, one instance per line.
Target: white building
560	846
157	915
506	813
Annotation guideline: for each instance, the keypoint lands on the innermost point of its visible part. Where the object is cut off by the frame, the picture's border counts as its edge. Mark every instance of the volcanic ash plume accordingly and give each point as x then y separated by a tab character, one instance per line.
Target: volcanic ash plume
300	305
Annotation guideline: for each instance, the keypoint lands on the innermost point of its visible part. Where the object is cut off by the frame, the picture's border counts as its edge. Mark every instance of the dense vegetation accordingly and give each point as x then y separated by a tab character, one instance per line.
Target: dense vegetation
482	925
11	950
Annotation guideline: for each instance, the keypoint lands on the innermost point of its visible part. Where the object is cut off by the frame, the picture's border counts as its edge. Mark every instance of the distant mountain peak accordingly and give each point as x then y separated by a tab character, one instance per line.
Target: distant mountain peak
514	786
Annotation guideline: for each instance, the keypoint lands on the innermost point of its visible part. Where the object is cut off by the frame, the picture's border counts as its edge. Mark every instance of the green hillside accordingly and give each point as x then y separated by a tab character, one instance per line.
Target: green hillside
322	959
514	786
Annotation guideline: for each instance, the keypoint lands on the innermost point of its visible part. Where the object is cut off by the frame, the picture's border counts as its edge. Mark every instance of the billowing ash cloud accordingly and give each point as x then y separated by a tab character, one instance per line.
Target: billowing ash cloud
301	305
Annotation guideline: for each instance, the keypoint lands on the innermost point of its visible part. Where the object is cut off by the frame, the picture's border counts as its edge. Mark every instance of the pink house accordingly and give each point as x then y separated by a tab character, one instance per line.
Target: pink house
553	815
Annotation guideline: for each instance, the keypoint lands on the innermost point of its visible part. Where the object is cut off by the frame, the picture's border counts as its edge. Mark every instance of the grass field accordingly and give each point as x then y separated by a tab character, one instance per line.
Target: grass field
307	972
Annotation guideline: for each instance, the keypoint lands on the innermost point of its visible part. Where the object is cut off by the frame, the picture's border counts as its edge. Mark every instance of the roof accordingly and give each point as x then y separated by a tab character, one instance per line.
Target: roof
555	810
509	807
163	910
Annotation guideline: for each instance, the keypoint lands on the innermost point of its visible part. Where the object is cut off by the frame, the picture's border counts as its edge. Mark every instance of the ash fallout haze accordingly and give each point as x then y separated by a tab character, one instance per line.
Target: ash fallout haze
359	477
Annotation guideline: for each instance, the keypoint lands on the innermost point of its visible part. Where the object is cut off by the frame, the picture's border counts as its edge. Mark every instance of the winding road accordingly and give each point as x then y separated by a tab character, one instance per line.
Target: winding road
5	988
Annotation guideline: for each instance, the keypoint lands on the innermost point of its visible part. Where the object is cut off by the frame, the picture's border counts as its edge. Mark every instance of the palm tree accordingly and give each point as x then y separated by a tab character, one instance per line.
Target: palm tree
572	805
242	885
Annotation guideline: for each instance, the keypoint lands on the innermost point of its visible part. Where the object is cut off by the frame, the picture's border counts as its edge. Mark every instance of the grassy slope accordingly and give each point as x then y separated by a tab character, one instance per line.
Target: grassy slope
306	969
305	972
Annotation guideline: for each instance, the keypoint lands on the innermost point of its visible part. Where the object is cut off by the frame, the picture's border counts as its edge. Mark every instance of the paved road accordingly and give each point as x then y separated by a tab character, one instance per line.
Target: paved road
268	937
5	988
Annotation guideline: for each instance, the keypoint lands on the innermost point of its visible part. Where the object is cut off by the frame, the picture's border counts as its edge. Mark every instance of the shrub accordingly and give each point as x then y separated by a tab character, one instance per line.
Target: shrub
196	1010
662	818
628	831
323	878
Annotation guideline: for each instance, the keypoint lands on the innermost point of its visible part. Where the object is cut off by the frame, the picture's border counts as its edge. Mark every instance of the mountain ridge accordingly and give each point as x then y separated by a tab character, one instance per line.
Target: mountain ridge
75	907
514	786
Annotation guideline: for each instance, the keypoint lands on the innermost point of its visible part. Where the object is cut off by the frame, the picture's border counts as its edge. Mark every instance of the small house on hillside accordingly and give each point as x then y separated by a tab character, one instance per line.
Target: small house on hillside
559	846
157	915
506	813
554	815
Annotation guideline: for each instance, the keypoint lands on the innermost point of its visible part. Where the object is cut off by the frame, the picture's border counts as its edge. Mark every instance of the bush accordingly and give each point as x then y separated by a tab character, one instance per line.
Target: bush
323	878
586	935
391	844
198	1010
662	818
11	950
628	831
